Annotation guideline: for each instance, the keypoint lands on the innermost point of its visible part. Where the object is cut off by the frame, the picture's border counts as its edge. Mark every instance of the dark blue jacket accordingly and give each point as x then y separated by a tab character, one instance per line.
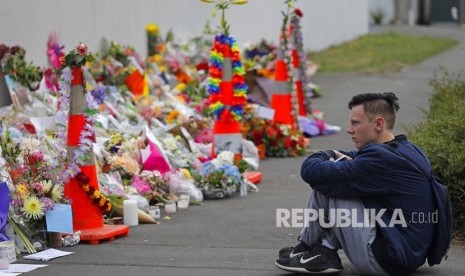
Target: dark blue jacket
382	179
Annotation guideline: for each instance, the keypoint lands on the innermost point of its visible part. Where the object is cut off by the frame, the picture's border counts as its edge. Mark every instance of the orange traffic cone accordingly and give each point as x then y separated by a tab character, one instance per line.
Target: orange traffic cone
281	97
298	83
87	217
299	65
227	128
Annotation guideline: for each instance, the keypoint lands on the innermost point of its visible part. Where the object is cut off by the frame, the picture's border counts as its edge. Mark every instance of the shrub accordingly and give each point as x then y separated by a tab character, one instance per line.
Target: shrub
442	137
377	16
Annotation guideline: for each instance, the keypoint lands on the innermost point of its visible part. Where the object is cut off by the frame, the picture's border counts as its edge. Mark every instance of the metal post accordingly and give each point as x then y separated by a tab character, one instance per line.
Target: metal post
462	13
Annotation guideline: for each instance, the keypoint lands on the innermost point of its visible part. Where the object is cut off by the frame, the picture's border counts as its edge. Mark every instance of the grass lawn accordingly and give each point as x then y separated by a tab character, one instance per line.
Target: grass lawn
379	53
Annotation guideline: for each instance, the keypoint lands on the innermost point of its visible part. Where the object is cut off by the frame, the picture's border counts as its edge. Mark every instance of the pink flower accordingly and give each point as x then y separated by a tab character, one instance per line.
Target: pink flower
141	186
81	49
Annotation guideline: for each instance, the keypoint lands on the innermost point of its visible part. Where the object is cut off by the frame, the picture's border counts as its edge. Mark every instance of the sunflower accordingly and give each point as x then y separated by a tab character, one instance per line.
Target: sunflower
32	208
22	190
57	193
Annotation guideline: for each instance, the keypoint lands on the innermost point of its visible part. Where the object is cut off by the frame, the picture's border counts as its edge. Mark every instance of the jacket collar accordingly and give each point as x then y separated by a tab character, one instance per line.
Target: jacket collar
397	140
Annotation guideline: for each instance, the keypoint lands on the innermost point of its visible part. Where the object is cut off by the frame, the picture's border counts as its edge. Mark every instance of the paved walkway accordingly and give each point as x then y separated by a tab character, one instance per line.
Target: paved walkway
239	236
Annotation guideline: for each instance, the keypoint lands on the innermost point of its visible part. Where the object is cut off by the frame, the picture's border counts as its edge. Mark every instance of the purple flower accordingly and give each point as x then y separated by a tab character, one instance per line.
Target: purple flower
99	94
38	188
47	203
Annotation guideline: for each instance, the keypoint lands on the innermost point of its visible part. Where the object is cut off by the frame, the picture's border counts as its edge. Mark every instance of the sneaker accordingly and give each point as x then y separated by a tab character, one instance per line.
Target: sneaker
318	260
293	251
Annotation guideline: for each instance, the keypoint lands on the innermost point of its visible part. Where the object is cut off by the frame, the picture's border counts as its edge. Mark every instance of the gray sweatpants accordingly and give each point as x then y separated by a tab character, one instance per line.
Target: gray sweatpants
355	241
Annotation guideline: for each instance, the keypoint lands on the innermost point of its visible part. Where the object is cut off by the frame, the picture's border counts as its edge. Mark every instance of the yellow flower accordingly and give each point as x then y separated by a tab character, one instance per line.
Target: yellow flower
57	193
186	173
47	185
180	87
32	208
157	58
239	2
152	28
22	190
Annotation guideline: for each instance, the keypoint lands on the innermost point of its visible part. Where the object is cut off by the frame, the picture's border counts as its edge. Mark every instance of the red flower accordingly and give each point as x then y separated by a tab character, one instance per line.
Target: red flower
257	137
3	50
238	79
235	56
202	66
298	12
215	72
81	49
287	142
271	132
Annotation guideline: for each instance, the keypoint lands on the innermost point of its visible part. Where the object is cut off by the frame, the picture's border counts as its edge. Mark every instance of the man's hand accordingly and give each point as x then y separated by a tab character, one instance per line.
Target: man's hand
339	155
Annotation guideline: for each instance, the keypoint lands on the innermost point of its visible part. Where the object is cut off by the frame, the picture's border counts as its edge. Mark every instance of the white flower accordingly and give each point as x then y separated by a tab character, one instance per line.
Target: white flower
53	162
216	162
30	144
170	144
284	129
225	157
47	185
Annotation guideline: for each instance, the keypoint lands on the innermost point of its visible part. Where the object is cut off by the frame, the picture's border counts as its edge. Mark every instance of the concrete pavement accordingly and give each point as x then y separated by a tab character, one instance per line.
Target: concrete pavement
239	236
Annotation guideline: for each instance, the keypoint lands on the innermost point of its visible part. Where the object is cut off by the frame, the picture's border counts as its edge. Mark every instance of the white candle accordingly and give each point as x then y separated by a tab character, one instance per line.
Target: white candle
130	213
183	202
170	207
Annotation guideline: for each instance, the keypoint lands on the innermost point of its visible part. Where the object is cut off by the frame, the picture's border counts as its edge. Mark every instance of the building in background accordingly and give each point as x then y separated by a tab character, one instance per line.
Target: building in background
28	23
411	12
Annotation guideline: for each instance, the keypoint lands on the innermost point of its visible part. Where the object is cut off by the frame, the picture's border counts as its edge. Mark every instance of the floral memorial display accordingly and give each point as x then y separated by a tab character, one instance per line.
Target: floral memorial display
92	131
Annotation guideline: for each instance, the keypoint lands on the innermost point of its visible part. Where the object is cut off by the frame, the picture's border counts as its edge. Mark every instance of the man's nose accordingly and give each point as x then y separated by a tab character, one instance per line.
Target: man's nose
349	130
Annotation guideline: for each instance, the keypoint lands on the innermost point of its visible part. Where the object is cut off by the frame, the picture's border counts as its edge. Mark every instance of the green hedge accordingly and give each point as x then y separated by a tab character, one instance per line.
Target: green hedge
442	137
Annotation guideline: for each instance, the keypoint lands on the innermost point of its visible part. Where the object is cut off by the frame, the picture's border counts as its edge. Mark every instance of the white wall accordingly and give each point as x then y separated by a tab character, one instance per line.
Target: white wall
28	22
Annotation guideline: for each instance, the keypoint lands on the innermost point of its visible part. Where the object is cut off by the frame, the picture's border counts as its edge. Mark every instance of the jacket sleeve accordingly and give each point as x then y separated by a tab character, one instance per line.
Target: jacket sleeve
359	177
351	153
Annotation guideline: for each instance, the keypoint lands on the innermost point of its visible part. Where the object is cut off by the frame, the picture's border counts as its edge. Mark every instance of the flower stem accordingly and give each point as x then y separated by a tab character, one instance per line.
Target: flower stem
27	243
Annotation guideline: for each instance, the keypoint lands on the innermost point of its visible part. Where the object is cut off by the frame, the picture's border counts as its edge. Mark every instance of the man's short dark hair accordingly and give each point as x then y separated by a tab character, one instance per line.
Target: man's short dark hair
385	104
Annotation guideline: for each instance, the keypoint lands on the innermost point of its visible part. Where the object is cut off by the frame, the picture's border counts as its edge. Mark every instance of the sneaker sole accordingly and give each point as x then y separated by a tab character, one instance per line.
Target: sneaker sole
305	271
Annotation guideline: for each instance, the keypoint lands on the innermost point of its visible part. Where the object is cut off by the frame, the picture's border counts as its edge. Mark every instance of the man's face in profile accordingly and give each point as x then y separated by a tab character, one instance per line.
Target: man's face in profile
361	129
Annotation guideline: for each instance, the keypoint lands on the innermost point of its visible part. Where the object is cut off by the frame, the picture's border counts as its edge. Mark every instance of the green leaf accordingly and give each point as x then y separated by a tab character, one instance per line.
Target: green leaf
90	111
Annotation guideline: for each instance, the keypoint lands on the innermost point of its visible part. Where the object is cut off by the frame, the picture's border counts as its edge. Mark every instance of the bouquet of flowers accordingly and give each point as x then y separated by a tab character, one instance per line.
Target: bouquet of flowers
280	140
151	185
219	177
154	41
13	63
37	185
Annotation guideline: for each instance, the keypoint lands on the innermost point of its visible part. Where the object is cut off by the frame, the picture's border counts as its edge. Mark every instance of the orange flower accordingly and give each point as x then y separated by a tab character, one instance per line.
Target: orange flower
102	202
172	116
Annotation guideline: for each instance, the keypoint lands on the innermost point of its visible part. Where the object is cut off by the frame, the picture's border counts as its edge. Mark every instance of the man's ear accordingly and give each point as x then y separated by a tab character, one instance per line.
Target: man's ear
379	124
